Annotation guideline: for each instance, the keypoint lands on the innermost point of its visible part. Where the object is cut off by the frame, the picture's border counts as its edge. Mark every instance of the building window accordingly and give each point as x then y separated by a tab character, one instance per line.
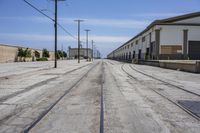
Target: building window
131	44
143	39
136	42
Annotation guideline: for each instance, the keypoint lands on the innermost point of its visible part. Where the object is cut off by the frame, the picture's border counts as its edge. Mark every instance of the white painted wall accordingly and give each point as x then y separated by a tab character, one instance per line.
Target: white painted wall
141	45
171	35
194	33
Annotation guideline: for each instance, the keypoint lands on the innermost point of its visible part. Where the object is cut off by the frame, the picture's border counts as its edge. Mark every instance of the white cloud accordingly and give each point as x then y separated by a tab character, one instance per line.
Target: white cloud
157	15
26	37
47	38
30	19
111	39
118	23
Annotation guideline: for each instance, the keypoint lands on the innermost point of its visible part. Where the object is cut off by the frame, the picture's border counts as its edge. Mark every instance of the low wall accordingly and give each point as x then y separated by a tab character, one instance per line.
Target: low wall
182	65
189	66
150	63
9	54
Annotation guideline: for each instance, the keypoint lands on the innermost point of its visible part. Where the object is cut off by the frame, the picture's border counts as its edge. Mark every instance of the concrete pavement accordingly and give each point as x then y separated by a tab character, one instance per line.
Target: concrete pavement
132	101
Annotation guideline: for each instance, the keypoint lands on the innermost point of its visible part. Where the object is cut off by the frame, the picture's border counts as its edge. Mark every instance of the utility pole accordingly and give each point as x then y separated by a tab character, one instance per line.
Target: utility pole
55	23
79	21
87	41
92	50
55	26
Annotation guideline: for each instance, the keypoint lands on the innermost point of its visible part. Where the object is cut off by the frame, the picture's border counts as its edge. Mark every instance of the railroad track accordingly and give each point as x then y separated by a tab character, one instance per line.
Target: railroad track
196	116
101	129
44	113
4	98
170	84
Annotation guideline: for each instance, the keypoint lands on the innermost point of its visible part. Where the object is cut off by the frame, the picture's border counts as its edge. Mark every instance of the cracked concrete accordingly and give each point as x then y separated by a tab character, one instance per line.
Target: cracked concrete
130	104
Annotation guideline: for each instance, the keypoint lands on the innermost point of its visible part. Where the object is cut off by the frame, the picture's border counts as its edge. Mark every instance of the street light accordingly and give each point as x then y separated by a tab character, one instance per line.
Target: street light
87	30
92	50
78	21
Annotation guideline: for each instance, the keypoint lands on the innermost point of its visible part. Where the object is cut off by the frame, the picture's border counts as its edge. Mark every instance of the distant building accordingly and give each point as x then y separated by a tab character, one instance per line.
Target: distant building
8	53
73	53
172	38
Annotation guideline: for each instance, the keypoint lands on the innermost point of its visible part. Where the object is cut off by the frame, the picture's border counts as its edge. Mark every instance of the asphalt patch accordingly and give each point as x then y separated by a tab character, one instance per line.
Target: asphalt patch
192	106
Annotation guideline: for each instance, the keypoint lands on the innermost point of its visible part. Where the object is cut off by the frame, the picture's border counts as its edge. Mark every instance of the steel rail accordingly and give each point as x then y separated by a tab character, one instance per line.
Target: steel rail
176	86
4	98
44	113
101	129
167	98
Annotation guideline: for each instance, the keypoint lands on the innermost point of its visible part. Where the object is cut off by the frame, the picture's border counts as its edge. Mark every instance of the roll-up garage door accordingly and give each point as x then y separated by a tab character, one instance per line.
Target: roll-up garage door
194	50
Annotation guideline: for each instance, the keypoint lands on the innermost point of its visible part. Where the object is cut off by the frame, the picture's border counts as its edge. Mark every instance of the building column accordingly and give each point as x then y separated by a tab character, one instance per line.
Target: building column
150	48
157	42
185	42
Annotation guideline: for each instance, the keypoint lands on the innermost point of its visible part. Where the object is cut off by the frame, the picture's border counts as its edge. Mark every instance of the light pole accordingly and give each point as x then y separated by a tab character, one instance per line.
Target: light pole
87	41
92	50
79	21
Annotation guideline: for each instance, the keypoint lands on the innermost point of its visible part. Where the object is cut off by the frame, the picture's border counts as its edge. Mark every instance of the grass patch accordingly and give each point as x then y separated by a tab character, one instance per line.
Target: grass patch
42	59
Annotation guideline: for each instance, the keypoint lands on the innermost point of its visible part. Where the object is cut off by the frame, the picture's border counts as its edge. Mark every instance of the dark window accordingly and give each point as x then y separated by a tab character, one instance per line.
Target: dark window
133	54
136	42
139	55
129	55
143	39
131	44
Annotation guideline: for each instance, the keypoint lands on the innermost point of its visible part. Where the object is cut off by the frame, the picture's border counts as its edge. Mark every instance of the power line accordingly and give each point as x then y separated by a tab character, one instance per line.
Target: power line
67	31
50	19
39	10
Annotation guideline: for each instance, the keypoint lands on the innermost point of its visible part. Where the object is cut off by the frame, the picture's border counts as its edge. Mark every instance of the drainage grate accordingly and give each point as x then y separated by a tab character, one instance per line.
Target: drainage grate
192	106
52	74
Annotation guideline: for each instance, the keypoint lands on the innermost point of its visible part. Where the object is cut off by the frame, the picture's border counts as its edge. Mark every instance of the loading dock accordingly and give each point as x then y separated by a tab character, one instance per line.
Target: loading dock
194	50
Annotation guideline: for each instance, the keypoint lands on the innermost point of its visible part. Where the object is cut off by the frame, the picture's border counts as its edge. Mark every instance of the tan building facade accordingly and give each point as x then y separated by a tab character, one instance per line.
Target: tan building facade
9	53
73	53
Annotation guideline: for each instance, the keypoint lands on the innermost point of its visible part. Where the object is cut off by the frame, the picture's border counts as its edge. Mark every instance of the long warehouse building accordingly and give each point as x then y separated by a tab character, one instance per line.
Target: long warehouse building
172	38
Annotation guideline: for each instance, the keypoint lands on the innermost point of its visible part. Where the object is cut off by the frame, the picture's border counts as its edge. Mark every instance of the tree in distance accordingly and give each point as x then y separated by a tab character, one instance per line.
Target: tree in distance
64	54
37	54
20	53
45	53
58	54
61	54
23	54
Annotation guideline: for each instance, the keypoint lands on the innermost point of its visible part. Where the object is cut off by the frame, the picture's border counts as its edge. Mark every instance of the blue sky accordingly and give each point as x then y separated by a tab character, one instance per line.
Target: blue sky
112	22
